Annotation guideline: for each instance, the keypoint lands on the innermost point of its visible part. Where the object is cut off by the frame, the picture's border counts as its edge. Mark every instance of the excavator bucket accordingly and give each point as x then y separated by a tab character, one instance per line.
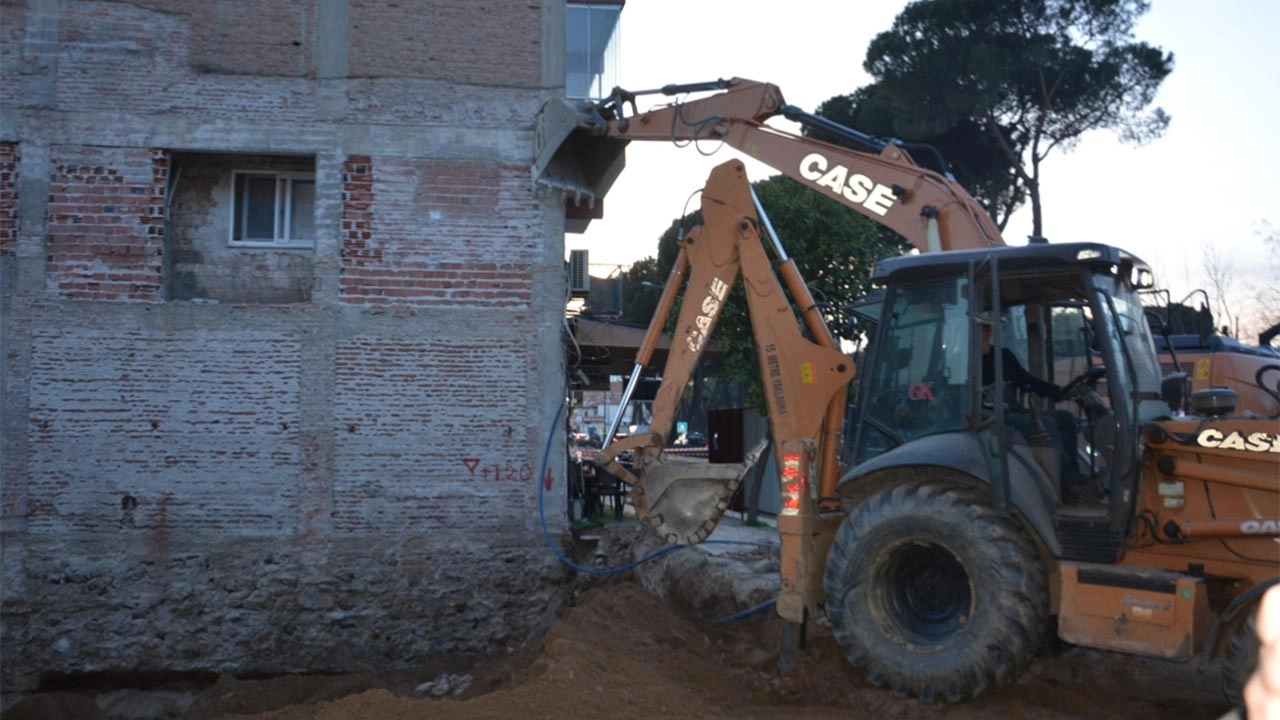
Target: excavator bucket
682	500
573	156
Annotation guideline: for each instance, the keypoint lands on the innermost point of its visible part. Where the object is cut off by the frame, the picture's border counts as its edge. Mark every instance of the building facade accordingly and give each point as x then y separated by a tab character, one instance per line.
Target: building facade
282	344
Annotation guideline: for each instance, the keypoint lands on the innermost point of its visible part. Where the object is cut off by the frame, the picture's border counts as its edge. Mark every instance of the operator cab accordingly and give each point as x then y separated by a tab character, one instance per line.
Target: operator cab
1071	317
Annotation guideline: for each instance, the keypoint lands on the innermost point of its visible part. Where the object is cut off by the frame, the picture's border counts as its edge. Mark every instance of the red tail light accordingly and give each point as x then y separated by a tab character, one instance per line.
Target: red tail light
794	484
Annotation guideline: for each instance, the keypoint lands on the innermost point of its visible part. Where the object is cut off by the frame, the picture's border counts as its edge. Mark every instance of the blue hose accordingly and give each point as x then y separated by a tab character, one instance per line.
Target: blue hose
546	532
745	613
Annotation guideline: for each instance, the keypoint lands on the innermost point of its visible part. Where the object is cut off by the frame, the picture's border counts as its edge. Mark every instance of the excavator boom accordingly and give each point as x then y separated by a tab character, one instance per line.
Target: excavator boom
581	153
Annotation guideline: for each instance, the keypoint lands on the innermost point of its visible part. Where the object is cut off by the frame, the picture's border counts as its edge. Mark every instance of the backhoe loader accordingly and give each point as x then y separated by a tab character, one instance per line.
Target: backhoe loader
936	521
581	151
1218	360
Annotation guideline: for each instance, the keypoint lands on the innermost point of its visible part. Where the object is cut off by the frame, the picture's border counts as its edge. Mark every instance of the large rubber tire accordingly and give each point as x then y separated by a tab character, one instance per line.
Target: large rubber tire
1241	659
934	595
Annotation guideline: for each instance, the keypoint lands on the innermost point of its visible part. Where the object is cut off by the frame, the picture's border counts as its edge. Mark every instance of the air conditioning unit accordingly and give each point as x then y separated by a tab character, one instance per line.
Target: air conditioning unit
579	276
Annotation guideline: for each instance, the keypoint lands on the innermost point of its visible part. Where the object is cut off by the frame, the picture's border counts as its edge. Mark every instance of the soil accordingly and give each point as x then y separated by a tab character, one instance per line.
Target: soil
621	653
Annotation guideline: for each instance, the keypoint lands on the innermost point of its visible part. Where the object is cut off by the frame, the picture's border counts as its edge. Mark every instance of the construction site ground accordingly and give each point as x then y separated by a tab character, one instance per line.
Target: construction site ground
669	639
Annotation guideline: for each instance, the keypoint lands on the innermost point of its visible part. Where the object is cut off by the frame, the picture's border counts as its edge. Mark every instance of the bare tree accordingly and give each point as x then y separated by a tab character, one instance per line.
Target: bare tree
1218	269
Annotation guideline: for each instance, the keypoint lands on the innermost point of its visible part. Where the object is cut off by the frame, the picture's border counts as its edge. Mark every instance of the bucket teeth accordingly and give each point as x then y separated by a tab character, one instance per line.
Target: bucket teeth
682	501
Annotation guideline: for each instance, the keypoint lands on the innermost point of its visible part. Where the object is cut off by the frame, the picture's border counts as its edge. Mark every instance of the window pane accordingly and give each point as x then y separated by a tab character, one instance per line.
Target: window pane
302	214
1016	338
260	206
591	49
1070	342
873	443
577	64
919	379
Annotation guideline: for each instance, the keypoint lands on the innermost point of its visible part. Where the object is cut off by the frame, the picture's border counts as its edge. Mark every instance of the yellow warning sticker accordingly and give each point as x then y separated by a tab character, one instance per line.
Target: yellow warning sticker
806	372
1202	369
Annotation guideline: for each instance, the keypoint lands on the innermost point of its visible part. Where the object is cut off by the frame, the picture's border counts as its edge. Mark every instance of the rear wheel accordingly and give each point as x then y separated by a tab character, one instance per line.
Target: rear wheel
934	594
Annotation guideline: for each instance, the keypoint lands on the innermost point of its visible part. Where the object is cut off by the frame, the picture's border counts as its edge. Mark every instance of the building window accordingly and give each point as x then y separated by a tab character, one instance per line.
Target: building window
591	48
273	209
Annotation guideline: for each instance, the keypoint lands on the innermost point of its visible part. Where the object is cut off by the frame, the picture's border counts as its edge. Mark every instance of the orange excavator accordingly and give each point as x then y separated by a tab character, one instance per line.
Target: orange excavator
941	520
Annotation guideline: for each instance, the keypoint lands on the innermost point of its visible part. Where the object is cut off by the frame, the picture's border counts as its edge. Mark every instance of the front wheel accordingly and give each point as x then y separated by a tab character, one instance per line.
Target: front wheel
934	594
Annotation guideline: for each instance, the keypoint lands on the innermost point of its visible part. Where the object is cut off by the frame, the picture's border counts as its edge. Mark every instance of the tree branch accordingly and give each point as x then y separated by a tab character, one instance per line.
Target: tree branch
994	128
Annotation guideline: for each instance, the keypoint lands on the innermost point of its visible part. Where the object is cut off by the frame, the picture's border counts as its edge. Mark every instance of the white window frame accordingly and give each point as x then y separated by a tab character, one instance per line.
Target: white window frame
282	215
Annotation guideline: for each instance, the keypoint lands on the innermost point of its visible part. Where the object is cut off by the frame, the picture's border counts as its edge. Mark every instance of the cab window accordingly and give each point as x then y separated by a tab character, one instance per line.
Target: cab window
918	379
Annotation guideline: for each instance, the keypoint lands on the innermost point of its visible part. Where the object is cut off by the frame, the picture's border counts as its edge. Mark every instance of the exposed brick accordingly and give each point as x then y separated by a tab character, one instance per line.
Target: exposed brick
388	393
187	424
106	223
459	40
9	158
427	232
276	39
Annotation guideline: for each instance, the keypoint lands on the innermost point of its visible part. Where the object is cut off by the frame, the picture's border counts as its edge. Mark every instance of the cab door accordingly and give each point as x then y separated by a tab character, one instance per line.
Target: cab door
915	382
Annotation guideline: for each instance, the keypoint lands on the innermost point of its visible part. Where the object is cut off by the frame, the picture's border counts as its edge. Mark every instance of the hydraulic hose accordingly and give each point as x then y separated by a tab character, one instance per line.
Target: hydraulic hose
1257	378
745	613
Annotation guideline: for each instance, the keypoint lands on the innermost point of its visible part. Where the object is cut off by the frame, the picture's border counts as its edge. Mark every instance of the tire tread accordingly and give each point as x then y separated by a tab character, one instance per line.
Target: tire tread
1007	555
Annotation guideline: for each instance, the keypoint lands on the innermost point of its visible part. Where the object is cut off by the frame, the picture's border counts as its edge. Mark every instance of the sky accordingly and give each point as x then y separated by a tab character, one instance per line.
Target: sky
1210	181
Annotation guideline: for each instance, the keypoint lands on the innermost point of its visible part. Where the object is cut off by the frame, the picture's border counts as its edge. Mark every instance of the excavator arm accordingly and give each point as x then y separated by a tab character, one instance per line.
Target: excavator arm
581	152
806	377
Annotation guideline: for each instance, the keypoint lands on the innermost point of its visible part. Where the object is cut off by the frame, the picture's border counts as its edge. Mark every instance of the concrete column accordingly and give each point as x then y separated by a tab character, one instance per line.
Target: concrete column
331	59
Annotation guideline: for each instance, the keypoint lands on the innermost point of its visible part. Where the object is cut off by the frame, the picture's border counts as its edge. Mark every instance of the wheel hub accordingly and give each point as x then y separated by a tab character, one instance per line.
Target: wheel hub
927	598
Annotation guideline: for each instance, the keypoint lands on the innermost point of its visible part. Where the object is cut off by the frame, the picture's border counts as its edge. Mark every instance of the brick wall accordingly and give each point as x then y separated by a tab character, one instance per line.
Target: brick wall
255	460
412	62
184	57
171	431
275	39
428	434
459	40
12	32
106	223
431	232
8	199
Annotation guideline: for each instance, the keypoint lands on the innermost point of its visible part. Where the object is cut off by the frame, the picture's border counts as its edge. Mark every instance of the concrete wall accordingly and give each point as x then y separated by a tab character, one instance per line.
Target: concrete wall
261	460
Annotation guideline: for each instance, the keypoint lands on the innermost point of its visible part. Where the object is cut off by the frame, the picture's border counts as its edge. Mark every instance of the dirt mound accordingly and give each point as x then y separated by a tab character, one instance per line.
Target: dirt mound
620	653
